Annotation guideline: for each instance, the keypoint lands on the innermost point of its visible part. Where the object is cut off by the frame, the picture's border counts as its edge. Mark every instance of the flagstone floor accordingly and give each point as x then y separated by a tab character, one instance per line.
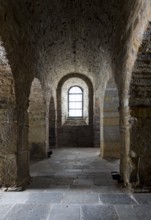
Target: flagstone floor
74	184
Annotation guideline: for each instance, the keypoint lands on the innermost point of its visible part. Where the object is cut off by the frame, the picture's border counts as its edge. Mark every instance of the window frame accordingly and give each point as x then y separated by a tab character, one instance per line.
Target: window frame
82	92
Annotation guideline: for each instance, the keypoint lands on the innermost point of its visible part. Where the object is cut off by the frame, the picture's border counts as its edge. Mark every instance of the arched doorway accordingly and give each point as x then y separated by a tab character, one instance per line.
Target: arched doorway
75	111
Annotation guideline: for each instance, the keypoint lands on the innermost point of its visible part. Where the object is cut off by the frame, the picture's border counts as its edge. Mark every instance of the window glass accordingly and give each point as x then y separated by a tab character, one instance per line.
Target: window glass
75	89
75	105
75	102
75	97
75	113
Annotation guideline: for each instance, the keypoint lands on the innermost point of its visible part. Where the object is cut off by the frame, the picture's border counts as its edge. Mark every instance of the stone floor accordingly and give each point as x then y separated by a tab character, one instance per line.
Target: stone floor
74	184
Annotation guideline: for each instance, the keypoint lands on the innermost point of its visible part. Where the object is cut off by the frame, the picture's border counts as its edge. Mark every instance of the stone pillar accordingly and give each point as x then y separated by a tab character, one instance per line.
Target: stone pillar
22	148
111	121
8	146
14	159
97	123
52	124
9	131
125	163
37	122
140	147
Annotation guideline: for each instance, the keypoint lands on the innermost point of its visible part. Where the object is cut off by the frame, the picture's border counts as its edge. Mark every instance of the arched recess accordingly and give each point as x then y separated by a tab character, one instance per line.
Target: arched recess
74	132
111	129
52	124
140	112
37	121
8	125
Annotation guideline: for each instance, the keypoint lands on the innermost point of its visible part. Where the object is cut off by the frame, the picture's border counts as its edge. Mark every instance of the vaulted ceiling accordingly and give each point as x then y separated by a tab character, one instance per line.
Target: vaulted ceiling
50	39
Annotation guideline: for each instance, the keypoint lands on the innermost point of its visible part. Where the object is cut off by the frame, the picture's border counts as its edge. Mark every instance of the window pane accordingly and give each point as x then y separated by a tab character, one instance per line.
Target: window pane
75	105
75	113
75	89
75	97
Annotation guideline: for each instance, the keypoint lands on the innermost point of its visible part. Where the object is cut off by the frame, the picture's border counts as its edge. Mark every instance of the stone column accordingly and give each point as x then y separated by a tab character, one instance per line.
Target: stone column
8	129
125	163
23	175
38	137
8	147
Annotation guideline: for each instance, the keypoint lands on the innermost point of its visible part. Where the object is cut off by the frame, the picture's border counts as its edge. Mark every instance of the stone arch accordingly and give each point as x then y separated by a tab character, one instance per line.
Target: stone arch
8	125
111	121
75	133
140	114
52	123
37	121
123	64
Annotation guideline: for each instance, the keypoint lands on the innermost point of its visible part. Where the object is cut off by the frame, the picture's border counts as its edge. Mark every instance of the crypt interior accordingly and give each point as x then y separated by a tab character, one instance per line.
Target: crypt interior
75	76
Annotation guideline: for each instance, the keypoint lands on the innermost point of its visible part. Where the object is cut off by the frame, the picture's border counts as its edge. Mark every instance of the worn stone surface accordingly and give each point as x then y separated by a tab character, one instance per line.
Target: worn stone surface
116	199
37	121
98	212
49	41
29	212
140	103
52	123
55	200
65	212
132	38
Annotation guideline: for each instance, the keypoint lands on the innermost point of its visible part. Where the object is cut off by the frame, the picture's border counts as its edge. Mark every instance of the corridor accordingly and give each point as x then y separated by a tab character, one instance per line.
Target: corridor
74	184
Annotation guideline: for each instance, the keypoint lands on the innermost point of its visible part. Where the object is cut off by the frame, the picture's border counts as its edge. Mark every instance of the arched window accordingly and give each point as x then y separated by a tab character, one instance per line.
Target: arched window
75	102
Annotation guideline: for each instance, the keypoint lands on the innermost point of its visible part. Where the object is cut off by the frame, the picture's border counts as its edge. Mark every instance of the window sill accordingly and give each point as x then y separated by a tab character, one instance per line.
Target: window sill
75	121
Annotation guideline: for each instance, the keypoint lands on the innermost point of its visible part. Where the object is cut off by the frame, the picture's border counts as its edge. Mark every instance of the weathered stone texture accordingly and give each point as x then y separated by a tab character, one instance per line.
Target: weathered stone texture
52	123
140	106
51	40
111	121
37	121
137	14
140	146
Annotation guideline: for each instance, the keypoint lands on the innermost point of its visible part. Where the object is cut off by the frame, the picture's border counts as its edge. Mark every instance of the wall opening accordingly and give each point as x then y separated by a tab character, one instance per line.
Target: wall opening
75	102
75	111
37	121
